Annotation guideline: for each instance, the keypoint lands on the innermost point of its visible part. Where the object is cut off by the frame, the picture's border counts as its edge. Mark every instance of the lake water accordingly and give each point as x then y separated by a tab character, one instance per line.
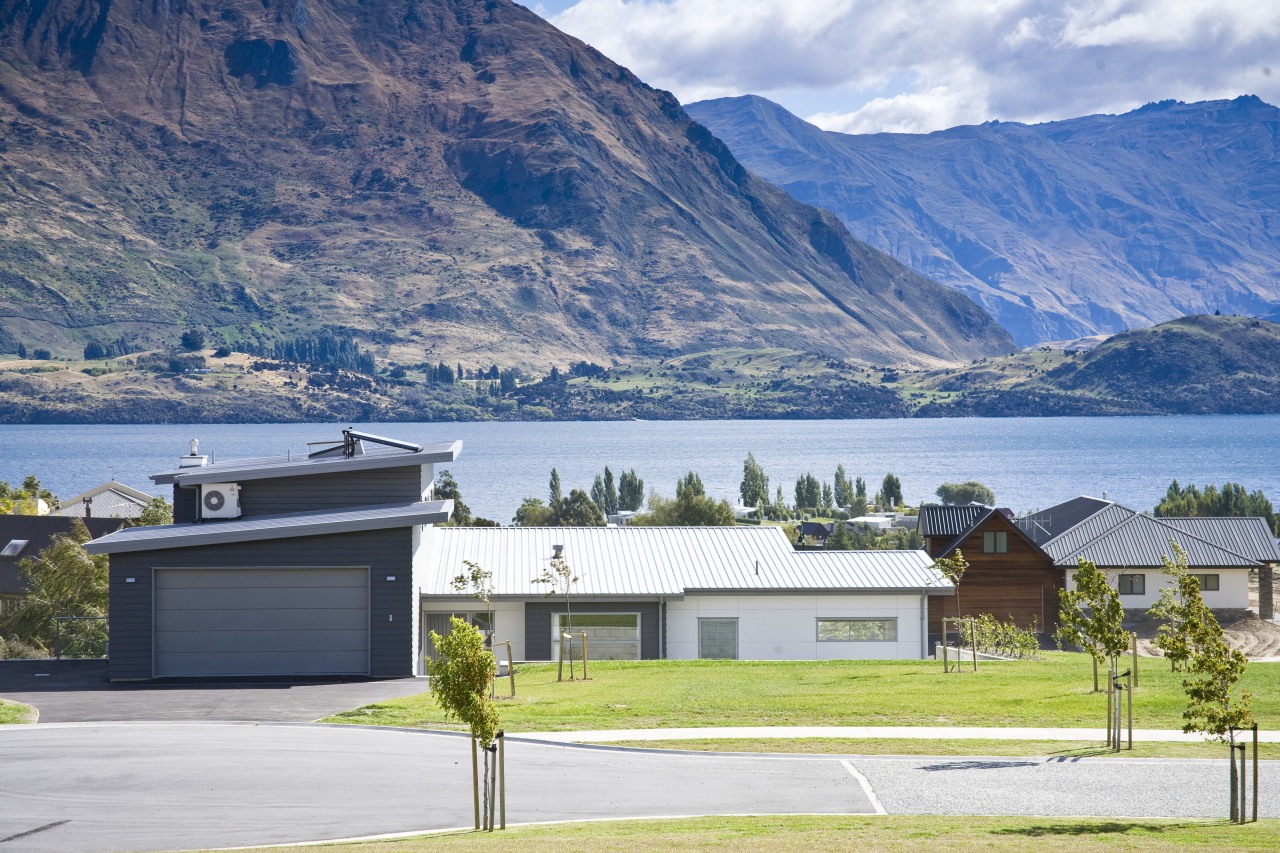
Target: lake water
1030	463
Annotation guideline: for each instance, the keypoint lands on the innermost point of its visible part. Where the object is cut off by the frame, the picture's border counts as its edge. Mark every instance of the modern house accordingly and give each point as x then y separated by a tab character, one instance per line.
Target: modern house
1221	552
684	592
1017	565
1008	575
23	536
110	500
280	566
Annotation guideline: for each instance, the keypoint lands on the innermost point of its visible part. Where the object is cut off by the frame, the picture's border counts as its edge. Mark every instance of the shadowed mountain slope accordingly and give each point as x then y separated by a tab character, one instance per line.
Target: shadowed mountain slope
452	179
1061	230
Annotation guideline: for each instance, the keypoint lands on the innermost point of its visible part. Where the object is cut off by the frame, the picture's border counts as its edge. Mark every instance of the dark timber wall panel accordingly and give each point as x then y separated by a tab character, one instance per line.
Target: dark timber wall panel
537	624
386	553
184	504
330	491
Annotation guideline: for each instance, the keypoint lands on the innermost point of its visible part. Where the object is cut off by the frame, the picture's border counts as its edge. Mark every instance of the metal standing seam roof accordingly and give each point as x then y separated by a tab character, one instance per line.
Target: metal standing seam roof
945	520
1046	524
288	526
108	500
663	561
1249	537
1141	541
239	470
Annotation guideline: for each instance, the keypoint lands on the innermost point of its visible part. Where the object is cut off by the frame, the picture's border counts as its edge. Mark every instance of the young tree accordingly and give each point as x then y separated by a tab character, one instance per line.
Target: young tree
630	491
559	579
860	489
1174	609
828	499
953	569
553	492
891	491
478	582
1091	616
959	494
460	678
62	580
755	485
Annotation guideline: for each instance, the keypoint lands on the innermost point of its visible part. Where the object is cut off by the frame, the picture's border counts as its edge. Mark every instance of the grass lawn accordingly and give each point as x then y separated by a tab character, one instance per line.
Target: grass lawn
15	712
907	746
1054	691
927	834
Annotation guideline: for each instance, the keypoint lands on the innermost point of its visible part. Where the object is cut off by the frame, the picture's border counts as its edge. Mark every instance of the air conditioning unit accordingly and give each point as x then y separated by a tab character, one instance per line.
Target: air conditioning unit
219	500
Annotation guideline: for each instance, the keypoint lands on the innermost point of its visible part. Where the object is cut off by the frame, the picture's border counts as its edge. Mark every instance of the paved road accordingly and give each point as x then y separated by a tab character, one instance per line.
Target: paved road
155	786
78	691
148	786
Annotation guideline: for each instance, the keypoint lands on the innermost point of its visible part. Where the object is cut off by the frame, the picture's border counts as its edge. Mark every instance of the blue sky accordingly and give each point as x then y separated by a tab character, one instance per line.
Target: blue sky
864	66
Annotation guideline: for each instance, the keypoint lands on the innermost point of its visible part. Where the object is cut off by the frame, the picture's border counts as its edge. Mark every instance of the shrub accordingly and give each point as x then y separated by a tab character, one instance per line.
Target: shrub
1005	638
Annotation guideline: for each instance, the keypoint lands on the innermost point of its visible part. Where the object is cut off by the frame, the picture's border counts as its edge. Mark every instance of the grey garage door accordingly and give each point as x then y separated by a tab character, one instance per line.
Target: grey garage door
261	621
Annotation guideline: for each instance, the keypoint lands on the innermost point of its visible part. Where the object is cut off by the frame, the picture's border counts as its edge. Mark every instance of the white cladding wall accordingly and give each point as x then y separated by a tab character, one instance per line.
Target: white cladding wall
1233	591
508	620
785	627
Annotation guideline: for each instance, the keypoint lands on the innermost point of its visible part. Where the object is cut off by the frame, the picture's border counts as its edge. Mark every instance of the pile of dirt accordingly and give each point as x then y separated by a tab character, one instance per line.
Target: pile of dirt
1255	637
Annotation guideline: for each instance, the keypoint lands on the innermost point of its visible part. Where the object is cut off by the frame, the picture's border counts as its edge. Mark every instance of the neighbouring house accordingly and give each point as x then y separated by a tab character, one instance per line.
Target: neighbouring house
684	592
283	566
1008	575
1221	552
816	532
110	500
1017	565
23	536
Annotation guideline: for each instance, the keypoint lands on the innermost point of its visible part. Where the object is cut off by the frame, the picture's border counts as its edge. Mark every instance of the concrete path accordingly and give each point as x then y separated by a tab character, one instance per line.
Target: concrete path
78	691
873	732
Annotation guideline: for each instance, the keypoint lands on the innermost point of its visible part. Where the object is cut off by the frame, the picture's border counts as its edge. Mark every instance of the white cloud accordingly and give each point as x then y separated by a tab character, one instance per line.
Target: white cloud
868	65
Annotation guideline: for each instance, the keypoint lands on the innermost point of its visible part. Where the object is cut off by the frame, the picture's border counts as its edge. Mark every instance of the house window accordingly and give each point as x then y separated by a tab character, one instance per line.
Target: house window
718	639
14	548
857	630
995	542
1208	583
1132	585
610	636
9	603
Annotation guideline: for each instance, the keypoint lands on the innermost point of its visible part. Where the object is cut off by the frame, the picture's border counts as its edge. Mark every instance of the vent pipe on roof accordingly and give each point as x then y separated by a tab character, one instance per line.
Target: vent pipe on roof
757	568
557	552
194	459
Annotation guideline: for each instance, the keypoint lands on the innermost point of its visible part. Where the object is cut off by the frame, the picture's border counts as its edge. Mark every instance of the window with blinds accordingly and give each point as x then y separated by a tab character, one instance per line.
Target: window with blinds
718	639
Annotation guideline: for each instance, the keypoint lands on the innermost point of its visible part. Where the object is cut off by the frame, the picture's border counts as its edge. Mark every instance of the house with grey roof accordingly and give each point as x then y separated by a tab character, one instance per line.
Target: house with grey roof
684	592
1132	546
110	500
293	565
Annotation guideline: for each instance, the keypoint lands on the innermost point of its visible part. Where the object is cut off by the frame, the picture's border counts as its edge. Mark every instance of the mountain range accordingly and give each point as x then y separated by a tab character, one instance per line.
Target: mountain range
441	179
1061	230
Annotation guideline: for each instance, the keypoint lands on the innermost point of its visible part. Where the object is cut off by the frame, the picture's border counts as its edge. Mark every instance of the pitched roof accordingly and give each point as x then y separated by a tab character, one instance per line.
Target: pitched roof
287	526
1042	526
240	470
111	499
949	521
1249	537
666	561
1120	537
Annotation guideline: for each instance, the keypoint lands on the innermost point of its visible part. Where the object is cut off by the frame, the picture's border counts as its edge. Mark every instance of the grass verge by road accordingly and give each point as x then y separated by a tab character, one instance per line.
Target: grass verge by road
1055	691
906	746
15	712
927	834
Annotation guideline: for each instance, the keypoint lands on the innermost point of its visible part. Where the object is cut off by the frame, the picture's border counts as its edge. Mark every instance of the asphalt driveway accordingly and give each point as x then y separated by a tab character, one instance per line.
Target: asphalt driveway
77	691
